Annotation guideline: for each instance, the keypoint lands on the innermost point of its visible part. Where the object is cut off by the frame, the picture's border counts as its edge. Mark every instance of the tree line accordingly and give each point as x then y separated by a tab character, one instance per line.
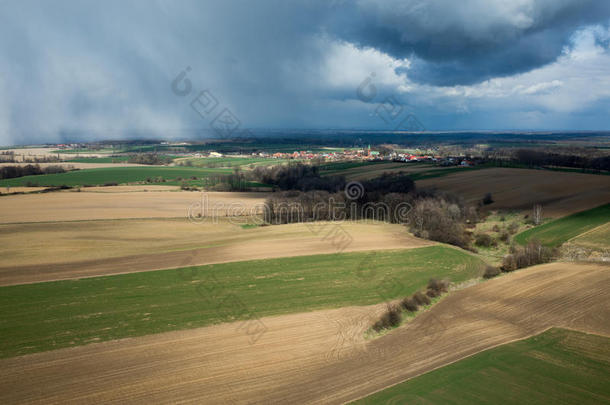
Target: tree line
149	159
539	158
392	197
11	172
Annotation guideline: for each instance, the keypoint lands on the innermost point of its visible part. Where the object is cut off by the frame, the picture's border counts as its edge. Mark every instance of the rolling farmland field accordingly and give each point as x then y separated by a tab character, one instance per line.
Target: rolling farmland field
148	201
559	193
559	366
53	315
118	175
125	293
305	202
49	251
556	232
314	357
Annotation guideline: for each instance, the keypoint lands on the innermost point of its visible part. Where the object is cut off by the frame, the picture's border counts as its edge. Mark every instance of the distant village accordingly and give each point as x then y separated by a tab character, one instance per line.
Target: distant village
367	154
353	154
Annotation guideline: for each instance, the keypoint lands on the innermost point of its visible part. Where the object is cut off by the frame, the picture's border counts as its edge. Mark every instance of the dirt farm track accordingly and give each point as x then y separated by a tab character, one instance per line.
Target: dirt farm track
317	357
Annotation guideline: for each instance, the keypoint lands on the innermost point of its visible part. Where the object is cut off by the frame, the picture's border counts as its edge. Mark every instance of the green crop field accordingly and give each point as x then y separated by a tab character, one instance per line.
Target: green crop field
52	315
118	175
556	367
556	232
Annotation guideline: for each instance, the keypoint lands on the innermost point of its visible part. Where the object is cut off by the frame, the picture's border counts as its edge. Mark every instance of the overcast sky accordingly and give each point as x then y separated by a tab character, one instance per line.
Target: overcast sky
104	69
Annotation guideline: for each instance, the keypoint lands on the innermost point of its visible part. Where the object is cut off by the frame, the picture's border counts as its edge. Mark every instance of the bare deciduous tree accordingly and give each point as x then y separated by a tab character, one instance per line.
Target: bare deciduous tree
537	216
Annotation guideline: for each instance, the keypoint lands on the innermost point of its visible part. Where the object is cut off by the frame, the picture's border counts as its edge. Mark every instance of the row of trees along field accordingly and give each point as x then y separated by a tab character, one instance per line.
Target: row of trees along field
391	197
10	172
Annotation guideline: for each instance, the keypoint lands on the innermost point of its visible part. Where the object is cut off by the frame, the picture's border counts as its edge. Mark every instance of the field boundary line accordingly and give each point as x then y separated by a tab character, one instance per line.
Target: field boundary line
208	264
589	231
474	354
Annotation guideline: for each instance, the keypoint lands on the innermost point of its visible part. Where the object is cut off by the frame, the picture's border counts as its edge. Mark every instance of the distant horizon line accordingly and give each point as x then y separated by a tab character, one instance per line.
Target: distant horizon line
207	134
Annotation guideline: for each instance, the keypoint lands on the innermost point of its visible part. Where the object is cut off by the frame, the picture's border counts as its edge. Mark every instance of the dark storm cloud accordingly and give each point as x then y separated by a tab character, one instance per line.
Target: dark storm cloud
93	69
106	66
469	41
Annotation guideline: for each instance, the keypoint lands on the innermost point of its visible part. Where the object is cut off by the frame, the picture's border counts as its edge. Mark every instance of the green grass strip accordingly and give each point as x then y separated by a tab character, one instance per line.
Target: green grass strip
556	232
118	175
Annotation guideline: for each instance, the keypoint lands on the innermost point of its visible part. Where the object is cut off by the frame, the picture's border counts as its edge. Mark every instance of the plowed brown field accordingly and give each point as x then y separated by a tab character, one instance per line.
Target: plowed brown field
318	357
34	152
72	206
61	250
368	172
559	193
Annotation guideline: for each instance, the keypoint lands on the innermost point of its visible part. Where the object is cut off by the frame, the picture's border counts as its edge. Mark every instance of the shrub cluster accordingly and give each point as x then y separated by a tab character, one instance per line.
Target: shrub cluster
409	304
484	240
531	254
512	228
186	187
158	179
149	159
437	287
491	272
392	316
298	177
420	298
487	199
442	218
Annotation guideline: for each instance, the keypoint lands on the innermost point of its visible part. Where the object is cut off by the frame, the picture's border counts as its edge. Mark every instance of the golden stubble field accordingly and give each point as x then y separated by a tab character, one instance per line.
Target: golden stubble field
317	357
559	193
